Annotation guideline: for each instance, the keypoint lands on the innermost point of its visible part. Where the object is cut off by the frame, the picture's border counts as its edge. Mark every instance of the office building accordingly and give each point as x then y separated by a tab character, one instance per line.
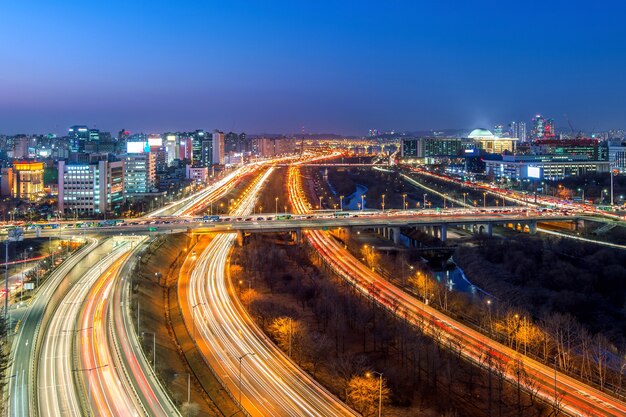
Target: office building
196	145
550	167
140	171
617	155
543	128
87	189
77	138
24	180
207	153
23	147
171	148
585	147
518	130
271	147
185	148
498	131
218	148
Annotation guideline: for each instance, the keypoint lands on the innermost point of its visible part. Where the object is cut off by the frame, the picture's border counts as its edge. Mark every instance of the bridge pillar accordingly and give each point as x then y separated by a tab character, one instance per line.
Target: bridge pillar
240	237
396	234
298	236
532	227
489	229
444	232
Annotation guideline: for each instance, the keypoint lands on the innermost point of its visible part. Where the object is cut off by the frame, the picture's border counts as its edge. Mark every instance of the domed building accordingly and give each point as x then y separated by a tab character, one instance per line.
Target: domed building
490	143
481	133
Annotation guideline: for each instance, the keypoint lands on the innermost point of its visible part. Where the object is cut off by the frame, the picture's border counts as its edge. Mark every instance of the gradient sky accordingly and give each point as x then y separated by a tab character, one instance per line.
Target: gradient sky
330	66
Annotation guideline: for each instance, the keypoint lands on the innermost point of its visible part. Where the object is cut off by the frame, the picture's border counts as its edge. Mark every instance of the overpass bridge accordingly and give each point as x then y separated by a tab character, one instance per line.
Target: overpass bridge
388	225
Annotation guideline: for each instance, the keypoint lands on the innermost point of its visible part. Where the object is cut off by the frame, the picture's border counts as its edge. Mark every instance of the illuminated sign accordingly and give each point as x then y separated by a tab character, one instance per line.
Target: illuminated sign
534	172
137	147
28	166
155	142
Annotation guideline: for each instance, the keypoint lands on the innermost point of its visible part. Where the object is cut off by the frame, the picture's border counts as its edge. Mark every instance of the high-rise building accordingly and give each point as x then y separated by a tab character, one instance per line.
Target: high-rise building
218	148
22	147
90	188
185	148
231	143
244	143
518	130
543	128
78	136
498	130
207	152
171	147
196	145
140	171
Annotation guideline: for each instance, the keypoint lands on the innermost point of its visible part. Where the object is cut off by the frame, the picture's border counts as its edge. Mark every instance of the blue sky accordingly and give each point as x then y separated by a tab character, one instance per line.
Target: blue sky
342	66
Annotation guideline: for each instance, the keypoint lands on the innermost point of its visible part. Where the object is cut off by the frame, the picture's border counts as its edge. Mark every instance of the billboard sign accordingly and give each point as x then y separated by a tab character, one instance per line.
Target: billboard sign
137	147
534	172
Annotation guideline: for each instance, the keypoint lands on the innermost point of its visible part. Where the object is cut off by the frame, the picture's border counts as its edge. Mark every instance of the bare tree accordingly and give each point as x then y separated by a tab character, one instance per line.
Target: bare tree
365	392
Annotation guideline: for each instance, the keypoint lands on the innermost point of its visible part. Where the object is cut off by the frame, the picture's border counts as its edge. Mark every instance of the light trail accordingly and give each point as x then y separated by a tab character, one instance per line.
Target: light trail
569	394
24	349
270	383
57	393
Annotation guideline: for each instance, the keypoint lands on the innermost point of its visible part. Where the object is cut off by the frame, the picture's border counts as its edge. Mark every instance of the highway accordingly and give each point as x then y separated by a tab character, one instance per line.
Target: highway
21	385
230	342
570	395
137	367
57	393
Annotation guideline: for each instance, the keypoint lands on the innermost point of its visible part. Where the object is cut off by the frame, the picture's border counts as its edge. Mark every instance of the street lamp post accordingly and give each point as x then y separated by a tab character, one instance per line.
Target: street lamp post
341	203
383	204
485	199
404	201
611	173
276	207
240	359
380	391
362	201
321	198
444	200
424	200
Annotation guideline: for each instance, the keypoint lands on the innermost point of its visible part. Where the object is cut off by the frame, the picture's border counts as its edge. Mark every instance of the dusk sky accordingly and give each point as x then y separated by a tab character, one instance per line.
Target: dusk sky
340	66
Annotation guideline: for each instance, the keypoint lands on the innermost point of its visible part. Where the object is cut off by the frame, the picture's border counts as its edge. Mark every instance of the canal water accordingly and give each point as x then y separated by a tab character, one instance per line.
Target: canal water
455	280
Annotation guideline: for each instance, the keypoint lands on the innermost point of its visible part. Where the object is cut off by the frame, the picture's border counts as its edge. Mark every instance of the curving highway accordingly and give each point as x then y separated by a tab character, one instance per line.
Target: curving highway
230	342
21	386
57	393
568	394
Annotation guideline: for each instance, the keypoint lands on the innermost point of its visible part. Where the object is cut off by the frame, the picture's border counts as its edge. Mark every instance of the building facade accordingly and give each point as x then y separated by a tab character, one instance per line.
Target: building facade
218	148
90	188
140	170
551	167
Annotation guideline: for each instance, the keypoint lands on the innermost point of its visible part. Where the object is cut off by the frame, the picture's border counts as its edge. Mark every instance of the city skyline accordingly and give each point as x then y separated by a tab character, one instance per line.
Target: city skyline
326	68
